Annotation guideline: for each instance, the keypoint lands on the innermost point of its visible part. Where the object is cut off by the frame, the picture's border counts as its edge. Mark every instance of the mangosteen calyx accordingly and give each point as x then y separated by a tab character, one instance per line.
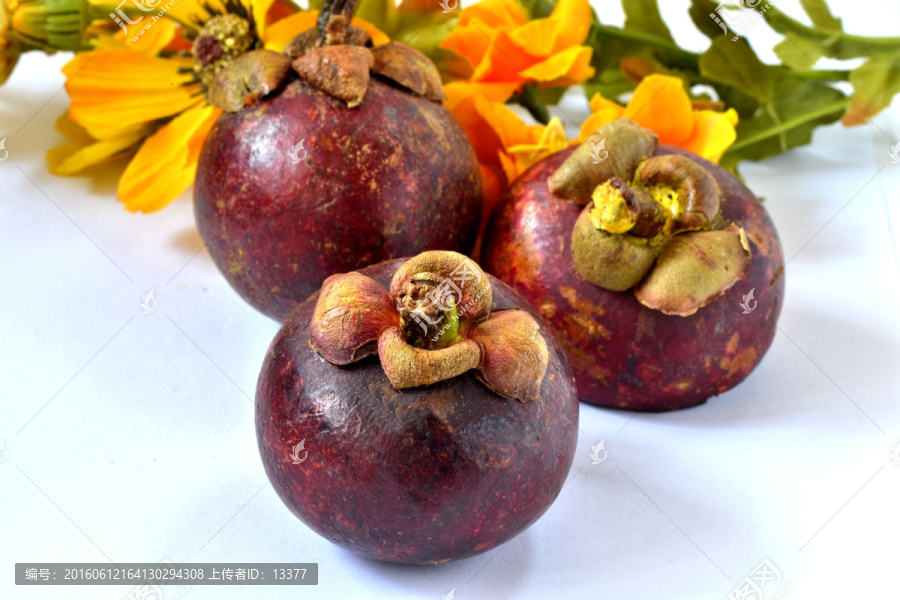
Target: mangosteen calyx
435	323
651	223
248	78
334	57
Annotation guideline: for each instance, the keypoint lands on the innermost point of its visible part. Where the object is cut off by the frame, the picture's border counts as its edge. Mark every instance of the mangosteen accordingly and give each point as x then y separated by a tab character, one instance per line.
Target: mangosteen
416	411
329	157
660	273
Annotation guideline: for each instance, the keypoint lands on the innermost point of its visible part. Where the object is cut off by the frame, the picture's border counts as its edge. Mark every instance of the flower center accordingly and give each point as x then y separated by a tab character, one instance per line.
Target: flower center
222	39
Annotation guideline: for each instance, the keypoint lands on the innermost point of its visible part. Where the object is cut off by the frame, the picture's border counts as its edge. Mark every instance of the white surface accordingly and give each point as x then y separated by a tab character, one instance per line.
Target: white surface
130	436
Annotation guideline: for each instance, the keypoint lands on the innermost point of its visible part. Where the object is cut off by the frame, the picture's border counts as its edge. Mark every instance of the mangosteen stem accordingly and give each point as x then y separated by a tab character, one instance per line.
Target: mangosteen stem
345	8
619	208
426	324
685	188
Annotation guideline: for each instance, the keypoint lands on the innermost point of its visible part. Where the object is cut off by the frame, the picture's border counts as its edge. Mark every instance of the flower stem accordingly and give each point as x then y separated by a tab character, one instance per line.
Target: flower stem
837	44
528	99
681	57
785	126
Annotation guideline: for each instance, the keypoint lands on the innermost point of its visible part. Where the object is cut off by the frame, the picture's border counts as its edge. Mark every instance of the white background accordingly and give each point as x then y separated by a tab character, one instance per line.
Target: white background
130	436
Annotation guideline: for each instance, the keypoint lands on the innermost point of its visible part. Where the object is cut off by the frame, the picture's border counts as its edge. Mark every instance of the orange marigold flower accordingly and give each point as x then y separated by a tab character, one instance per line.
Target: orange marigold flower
660	103
505	145
507	50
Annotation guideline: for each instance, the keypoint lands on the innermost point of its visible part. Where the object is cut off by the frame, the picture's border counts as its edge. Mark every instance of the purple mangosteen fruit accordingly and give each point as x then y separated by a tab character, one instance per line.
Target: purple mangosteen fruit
416	411
659	272
328	157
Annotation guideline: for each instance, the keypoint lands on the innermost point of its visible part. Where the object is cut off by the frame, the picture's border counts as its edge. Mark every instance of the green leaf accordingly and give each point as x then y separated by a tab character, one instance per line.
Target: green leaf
735	64
528	99
551	96
833	44
610	84
609	50
745	105
820	14
538	9
787	121
799	54
643	16
703	14
875	83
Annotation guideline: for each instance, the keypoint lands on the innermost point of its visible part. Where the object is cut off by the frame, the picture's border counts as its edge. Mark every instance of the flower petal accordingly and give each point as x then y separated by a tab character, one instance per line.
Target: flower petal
139	37
552	138
575	19
569	67
458	91
73	130
598	103
598	119
495	14
165	165
713	133
259	10
539	36
505	60
493	186
277	35
74	157
114	89
469	42
660	104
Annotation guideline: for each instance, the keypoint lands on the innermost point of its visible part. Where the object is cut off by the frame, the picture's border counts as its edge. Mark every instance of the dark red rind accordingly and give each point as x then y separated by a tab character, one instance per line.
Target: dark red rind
623	354
417	476
391	177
